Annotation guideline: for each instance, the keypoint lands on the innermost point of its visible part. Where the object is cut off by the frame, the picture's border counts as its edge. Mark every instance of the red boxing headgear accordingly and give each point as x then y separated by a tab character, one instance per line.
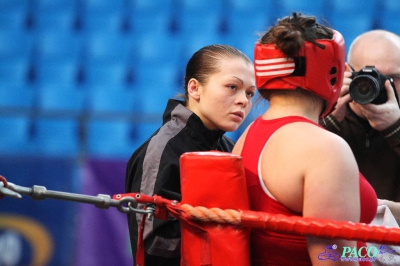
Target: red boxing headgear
318	70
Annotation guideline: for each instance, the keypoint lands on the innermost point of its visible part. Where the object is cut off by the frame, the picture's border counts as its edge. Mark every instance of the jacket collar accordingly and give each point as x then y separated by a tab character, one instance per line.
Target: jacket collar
201	136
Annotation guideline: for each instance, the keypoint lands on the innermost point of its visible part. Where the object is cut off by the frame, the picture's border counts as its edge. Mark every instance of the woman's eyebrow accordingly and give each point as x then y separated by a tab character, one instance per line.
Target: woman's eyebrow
241	81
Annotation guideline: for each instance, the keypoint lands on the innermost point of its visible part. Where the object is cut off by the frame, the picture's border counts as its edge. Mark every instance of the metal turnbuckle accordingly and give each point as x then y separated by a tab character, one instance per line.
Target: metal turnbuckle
124	204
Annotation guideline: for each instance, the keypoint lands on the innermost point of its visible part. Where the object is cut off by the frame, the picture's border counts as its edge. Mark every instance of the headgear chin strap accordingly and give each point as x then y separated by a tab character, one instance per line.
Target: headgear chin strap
318	70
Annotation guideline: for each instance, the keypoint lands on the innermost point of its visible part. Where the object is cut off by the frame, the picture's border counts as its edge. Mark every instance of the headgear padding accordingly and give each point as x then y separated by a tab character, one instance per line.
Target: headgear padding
318	70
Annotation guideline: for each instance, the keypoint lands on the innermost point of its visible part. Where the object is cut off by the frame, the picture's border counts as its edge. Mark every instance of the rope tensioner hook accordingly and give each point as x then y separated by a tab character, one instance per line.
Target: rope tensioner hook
102	201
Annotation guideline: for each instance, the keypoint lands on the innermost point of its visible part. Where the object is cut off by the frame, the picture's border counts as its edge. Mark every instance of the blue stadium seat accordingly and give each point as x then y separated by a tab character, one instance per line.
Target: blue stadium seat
390	24
201	24
105	47
156	105
56	136
199	17
54	21
359	24
15	44
105	23
315	8
153	23
8	5
46	6
14	14
201	6
110	139
156	77
145	130
162	81
57	72
246	45
61	99
246	7
107	74
15	136
247	26
13	20
53	45
14	96
155	49
389	8
150	7
251	7
192	44
350	8
389	16
101	16
112	100
97	7
14	70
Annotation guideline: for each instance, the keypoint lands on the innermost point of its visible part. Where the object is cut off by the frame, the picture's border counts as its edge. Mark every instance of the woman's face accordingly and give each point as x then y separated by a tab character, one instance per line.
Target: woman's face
224	100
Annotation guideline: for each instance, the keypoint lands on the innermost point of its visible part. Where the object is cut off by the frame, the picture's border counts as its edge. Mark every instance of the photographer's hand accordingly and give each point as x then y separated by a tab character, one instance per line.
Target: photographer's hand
381	116
340	110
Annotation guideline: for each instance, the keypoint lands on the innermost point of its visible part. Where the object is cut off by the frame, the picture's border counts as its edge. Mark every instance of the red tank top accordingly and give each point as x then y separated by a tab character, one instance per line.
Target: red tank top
267	247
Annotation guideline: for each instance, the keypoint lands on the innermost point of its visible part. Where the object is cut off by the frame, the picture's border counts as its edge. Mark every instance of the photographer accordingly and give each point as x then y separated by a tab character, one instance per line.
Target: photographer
372	129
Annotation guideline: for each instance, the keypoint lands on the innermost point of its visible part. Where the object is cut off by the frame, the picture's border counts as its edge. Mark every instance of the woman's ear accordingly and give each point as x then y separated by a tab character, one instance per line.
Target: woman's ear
193	89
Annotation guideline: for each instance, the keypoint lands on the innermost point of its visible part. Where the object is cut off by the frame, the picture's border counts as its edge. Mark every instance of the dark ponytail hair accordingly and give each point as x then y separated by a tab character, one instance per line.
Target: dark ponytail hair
290	32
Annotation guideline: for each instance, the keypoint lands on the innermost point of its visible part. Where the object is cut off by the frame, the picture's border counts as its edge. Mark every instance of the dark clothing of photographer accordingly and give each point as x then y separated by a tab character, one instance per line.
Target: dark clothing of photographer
377	153
371	126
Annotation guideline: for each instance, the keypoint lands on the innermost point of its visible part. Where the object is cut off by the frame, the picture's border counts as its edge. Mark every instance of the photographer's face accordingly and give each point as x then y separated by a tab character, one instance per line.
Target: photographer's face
383	55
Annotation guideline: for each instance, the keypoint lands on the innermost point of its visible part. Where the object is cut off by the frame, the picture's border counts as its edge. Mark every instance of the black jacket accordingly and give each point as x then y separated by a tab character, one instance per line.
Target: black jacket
377	153
154	169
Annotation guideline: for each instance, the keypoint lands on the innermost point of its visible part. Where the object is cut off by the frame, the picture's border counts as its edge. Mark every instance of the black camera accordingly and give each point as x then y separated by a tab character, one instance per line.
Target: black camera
368	86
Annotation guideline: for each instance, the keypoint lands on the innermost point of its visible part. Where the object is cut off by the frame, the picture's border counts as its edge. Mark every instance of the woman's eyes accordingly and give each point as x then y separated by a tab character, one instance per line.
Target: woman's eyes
250	93
232	87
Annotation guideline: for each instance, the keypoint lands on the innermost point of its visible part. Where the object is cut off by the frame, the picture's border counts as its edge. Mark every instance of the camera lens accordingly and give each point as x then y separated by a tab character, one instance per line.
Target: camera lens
364	89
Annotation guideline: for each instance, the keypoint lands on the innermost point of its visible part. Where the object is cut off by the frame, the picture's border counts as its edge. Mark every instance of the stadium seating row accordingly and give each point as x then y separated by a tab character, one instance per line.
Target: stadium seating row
93	101
70	137
186	18
67	65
